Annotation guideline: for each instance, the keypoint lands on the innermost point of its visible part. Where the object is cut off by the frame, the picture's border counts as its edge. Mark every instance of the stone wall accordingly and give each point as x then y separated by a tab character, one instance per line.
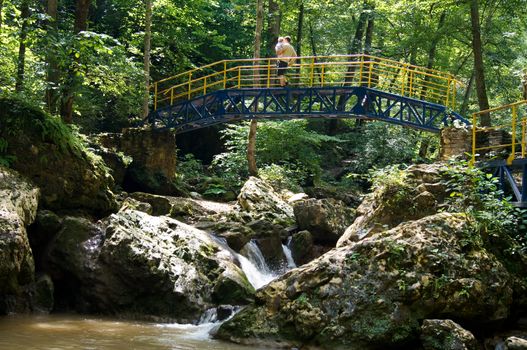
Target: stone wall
153	152
455	141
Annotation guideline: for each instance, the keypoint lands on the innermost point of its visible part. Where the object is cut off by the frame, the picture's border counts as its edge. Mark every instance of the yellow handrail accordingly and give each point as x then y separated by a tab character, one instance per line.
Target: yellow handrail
317	71
508	121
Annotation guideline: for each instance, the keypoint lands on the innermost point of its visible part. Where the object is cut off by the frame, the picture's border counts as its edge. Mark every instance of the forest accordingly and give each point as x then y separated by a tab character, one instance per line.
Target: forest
91	62
344	229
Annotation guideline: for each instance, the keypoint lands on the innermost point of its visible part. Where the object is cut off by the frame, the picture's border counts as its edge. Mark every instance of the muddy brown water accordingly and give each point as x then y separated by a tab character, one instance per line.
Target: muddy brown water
65	332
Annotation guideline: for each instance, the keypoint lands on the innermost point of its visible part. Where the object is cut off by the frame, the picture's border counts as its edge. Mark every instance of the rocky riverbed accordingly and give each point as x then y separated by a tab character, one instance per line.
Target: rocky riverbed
397	272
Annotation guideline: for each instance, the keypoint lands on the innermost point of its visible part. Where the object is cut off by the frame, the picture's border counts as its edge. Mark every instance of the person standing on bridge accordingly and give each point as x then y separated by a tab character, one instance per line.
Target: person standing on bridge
286	56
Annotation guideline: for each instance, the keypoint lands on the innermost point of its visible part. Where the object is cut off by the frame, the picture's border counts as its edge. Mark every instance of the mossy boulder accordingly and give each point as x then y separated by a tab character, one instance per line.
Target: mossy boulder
446	335
260	199
373	293
326	219
302	247
55	158
418	193
18	207
141	265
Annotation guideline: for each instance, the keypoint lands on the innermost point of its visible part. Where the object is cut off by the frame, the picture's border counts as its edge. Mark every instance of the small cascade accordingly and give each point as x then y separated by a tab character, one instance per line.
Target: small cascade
254	254
287	252
254	266
209	316
256	277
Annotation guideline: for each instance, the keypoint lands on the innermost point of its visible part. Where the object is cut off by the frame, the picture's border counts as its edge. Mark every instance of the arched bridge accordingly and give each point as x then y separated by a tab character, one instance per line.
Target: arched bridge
347	86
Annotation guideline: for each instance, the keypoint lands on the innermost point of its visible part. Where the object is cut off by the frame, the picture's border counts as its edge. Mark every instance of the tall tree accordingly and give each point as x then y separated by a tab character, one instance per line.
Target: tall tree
251	145
466	96
146	57
20	72
356	42
479	67
369	32
299	29
81	24
273	26
53	69
355	47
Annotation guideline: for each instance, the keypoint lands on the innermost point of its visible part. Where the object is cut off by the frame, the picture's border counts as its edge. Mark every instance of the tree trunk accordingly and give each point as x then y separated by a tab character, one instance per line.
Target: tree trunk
369	32
312	40
81	24
24	14
1	6
251	145
479	68
466	97
81	15
273	24
52	95
432	52
146	57
423	147
300	27
355	48
356	43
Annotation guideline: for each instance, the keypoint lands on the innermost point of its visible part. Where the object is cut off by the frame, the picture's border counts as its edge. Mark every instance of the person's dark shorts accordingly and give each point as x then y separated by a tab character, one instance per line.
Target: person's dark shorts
281	67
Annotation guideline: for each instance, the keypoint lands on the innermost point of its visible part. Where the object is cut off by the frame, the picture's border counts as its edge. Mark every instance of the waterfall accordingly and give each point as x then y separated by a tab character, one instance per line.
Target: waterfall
290	261
254	266
254	254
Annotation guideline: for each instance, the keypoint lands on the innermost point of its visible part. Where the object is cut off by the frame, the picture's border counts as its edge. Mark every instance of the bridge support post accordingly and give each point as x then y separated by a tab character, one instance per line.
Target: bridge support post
455	142
153	167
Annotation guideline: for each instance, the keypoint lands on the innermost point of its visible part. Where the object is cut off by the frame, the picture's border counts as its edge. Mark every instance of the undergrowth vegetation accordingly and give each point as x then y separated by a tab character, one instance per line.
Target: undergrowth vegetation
20	119
487	207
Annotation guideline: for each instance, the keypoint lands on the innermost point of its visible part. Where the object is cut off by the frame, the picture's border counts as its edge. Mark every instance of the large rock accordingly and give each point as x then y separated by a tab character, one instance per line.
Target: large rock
302	247
184	209
18	208
326	219
516	343
48	153
417	195
372	294
446	335
260	199
134	263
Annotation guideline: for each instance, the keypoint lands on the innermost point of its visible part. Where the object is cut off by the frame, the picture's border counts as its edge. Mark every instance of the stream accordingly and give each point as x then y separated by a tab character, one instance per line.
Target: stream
68	331
65	332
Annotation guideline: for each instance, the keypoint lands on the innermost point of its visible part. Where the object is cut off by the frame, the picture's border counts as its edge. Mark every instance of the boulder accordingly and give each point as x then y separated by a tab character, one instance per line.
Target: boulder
326	219
43	300
302	247
106	146
515	343
446	335
419	194
141	265
373	293
259	198
18	208
235	233
272	251
184	209
130	203
55	159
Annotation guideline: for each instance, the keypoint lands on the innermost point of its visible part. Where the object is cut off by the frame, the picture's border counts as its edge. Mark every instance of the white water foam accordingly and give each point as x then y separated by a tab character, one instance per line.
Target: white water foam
258	278
290	261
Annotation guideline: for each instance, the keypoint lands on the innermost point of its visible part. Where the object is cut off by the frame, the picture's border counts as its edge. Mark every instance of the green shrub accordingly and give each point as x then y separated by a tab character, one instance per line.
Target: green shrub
283	148
475	193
